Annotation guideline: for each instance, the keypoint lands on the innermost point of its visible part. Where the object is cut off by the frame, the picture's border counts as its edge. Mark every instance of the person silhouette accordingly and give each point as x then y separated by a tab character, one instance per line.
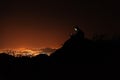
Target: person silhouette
77	37
79	33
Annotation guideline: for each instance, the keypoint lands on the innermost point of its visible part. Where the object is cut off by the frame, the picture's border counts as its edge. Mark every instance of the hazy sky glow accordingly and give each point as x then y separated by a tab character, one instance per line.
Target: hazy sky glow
48	23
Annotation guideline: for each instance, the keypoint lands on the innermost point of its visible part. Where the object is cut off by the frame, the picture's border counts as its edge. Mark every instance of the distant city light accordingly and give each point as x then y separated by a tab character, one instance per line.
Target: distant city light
31	52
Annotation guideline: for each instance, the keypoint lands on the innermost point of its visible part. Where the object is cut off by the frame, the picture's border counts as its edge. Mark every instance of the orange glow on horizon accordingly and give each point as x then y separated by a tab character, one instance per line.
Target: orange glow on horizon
30	52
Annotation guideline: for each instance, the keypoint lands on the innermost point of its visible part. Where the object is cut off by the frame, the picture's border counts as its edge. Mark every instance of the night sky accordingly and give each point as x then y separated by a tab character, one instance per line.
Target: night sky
48	23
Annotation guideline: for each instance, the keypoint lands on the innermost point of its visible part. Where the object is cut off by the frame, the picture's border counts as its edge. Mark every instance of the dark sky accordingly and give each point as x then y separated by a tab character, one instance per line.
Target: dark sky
48	23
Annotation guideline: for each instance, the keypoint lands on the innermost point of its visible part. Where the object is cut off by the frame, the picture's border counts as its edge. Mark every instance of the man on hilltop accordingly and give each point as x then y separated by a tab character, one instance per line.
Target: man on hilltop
79	33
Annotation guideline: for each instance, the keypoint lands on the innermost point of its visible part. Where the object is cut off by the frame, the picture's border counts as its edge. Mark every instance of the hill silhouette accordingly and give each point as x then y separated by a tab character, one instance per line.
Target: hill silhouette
76	50
79	49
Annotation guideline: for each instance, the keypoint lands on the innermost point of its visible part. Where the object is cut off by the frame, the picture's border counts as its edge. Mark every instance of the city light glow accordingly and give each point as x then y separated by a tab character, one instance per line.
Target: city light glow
30	52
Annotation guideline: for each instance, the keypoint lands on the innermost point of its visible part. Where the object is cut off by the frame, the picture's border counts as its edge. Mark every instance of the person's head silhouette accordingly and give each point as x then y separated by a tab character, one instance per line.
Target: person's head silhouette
78	31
